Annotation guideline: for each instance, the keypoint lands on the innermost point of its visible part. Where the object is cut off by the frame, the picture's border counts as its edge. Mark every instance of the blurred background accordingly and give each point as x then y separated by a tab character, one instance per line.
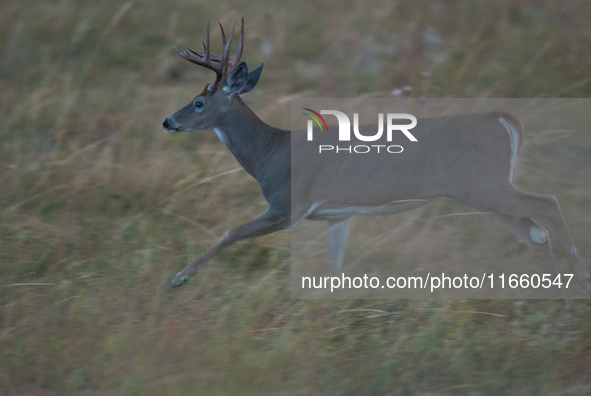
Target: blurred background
99	207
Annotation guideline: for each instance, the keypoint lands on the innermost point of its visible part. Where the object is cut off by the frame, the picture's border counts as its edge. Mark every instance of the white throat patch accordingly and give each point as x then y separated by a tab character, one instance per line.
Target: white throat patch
221	135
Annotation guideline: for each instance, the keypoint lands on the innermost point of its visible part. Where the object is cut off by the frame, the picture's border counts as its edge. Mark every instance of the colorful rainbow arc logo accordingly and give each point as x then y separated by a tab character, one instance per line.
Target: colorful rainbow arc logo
316	119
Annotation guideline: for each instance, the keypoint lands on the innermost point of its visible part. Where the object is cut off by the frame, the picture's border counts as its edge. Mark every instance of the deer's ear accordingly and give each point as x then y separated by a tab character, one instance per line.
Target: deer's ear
240	81
236	79
253	79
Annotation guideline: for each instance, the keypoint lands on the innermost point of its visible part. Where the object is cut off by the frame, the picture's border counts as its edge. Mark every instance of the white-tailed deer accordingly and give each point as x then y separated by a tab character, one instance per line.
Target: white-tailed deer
468	157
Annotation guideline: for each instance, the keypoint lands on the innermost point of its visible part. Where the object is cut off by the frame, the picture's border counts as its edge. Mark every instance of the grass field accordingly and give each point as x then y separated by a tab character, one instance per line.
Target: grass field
99	207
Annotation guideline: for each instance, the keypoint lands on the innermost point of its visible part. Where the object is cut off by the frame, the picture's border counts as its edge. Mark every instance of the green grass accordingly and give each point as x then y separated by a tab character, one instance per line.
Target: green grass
99	207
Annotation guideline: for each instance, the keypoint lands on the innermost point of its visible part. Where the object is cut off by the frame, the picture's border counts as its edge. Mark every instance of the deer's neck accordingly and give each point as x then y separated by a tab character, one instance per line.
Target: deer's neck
252	142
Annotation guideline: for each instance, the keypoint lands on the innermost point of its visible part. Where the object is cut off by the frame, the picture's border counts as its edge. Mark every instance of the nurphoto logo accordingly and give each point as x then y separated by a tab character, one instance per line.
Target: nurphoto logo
361	134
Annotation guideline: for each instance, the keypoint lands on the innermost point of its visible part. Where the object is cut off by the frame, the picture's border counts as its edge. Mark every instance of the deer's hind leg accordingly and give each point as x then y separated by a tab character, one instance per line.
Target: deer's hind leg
533	235
512	202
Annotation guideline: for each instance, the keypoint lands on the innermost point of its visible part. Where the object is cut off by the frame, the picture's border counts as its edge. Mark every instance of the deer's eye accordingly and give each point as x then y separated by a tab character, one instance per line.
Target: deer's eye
198	105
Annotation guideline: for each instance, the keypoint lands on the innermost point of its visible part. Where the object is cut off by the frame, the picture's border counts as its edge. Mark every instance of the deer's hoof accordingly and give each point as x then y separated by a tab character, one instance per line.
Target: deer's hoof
178	280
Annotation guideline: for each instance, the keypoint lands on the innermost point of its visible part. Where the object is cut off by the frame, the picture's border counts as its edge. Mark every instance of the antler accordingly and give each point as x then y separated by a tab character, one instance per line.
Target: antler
223	64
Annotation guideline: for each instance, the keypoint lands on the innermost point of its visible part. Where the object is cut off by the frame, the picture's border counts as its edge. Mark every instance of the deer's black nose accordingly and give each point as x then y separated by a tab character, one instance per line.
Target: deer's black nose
170	125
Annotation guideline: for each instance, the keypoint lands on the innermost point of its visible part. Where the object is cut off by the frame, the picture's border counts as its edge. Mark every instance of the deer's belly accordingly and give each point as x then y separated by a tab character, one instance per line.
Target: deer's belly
328	212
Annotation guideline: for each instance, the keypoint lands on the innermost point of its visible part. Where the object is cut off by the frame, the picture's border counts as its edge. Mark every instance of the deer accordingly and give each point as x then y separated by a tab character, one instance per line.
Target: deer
468	157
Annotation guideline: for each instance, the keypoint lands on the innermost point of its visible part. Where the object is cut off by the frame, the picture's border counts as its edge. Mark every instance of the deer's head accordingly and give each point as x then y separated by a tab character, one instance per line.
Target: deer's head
207	109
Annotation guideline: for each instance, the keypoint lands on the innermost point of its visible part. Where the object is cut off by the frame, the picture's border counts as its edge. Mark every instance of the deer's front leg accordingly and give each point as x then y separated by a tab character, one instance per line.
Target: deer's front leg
267	223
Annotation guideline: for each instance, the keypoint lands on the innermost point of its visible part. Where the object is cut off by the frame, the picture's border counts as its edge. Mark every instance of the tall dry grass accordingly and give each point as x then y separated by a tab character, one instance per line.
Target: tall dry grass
99	207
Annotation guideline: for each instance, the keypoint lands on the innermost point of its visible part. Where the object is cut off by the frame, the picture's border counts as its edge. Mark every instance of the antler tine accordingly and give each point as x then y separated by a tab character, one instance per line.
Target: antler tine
240	43
226	53
223	34
186	54
200	54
